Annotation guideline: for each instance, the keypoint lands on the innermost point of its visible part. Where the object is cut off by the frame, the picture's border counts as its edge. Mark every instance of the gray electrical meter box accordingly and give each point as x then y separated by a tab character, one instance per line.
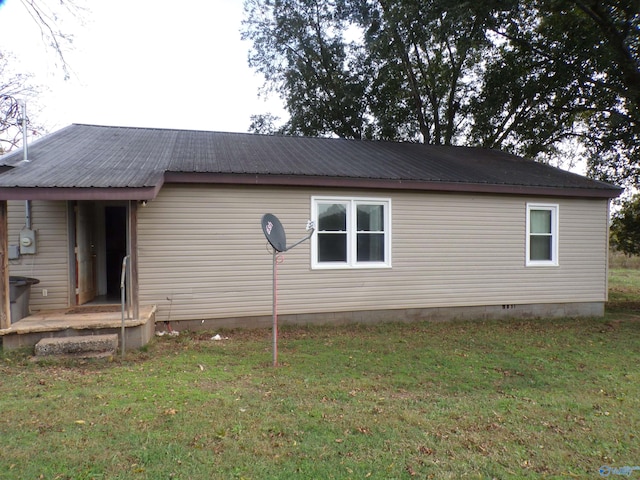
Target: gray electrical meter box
14	252
27	241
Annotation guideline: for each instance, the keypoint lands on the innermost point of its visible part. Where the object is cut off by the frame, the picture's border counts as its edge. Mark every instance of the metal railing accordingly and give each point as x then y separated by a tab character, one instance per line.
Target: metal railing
125	300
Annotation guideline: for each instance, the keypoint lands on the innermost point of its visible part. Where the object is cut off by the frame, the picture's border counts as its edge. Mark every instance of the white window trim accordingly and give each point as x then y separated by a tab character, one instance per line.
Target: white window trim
555	232
352	262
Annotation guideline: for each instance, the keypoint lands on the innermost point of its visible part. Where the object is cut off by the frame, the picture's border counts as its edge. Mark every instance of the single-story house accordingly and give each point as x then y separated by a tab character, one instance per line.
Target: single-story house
403	231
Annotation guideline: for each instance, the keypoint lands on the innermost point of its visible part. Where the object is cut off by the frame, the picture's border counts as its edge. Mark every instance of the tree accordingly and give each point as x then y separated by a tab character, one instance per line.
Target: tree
400	81
582	59
300	50
625	227
14	88
525	103
526	77
47	19
426	56
264	124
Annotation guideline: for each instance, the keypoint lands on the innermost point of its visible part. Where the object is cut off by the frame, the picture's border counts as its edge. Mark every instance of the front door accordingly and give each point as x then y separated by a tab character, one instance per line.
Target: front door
85	254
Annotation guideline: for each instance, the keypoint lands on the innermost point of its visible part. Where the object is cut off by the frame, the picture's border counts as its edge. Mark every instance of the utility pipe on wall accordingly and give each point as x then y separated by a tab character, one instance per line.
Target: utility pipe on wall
27	214
23	104
25	158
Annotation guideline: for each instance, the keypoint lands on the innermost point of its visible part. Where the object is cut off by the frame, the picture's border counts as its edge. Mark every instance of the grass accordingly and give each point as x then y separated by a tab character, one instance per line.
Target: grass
624	289
512	399
620	260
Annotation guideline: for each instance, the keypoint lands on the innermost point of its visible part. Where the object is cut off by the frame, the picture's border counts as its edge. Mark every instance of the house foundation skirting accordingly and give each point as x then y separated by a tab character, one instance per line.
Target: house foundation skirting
437	314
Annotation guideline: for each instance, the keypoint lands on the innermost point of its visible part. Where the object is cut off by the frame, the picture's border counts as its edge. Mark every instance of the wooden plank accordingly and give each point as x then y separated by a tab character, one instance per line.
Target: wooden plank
5	300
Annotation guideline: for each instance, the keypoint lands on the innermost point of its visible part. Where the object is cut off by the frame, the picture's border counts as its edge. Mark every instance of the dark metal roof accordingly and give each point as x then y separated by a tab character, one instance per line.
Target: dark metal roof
88	161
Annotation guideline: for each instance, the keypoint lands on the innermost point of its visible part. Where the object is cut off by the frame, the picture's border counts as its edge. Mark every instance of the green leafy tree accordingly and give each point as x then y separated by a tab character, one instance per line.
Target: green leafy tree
527	77
427	56
570	69
265	124
369	69
524	103
625	227
299	47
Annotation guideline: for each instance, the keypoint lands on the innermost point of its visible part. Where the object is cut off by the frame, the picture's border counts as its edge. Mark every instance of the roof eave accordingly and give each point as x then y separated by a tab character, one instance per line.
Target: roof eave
387	184
150	192
93	193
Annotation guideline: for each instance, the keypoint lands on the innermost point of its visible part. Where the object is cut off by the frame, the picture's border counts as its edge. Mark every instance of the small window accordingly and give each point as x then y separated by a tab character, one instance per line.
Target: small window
542	235
351	232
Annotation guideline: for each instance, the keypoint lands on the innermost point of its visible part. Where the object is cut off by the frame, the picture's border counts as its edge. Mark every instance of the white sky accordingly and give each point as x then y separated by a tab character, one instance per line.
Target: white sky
142	63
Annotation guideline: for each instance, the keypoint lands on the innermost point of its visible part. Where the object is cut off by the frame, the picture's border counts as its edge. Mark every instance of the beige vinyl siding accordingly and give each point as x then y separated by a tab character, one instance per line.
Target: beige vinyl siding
203	254
51	262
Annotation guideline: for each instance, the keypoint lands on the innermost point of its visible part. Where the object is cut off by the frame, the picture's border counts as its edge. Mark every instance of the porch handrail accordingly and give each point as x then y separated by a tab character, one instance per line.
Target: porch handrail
124	301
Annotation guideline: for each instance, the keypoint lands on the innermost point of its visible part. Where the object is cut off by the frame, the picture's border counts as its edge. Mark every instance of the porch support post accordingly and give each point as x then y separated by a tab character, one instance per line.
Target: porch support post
5	300
133	257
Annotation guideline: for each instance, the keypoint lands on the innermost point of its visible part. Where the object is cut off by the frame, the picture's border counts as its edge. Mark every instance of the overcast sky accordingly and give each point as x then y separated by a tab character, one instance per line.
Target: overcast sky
142	63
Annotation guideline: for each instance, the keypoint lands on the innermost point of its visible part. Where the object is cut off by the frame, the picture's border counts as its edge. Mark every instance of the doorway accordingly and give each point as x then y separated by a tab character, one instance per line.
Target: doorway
100	246
115	225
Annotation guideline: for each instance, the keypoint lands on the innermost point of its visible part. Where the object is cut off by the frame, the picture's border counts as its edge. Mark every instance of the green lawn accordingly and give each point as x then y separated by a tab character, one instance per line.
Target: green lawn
510	399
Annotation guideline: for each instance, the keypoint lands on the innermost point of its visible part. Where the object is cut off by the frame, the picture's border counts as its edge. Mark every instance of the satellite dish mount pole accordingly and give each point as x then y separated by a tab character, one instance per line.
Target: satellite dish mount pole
274	307
274	231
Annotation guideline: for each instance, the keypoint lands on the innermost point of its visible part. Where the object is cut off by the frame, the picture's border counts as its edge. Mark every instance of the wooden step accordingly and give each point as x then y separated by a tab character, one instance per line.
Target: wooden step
80	346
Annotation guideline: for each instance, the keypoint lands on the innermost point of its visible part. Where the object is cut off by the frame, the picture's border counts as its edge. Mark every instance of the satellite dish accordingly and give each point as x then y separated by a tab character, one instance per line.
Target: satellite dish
274	231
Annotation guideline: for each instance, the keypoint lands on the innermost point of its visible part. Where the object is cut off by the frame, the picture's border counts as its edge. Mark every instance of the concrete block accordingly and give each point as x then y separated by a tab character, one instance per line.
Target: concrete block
79	346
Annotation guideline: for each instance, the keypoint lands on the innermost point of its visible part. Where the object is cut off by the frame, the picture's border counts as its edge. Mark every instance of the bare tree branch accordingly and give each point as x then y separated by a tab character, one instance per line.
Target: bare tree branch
47	21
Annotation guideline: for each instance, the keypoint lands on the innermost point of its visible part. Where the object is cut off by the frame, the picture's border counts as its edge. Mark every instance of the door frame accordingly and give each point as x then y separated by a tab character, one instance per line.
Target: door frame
131	245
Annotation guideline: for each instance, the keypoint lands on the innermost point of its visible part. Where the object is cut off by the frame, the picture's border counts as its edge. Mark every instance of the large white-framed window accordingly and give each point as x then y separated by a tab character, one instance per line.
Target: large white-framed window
542	234
351	232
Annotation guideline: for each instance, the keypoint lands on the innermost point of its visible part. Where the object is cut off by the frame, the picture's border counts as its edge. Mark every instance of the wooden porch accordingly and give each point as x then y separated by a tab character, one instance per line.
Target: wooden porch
78	321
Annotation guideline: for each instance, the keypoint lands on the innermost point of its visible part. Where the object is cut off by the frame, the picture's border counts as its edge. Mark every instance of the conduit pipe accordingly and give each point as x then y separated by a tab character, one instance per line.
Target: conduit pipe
25	158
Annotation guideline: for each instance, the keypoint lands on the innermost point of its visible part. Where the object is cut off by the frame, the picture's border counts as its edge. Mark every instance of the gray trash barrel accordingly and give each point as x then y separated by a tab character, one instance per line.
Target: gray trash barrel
19	295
